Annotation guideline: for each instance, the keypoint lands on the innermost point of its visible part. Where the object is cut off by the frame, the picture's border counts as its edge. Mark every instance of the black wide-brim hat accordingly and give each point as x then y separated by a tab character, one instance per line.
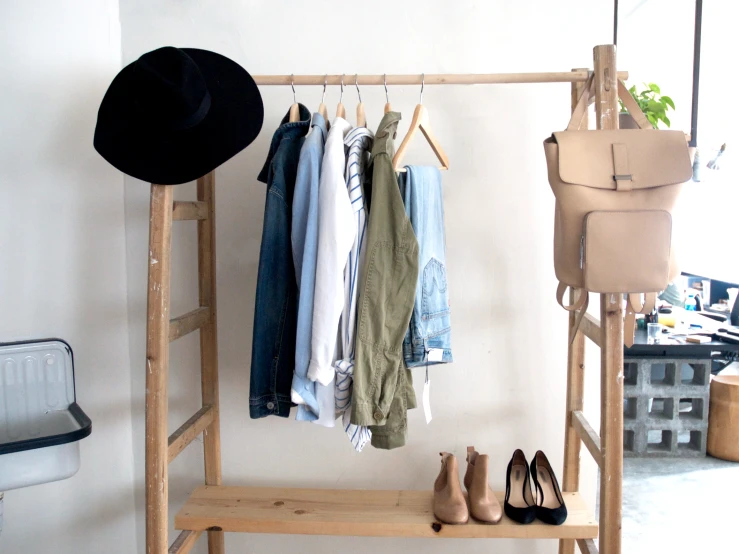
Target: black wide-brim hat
176	114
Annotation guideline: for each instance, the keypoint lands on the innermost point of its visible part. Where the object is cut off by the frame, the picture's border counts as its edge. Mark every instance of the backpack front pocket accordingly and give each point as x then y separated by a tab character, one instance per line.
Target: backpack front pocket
626	251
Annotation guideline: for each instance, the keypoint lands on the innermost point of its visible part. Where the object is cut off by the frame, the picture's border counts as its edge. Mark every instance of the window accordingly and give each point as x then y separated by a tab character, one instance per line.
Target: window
656	44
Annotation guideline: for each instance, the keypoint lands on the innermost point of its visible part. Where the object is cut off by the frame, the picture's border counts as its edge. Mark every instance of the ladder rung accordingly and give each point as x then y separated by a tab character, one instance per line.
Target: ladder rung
189	210
591	328
588	436
587	546
188	431
184	542
187	323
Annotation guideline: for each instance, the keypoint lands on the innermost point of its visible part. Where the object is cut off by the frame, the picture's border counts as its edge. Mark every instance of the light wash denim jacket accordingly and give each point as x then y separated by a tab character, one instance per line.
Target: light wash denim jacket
305	253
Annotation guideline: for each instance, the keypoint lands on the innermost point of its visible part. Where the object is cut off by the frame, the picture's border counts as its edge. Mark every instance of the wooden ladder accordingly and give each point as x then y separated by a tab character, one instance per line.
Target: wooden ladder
160	331
608	334
215	508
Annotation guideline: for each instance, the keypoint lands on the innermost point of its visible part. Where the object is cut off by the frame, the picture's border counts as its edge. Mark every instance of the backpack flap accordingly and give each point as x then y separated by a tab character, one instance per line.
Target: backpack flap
623	160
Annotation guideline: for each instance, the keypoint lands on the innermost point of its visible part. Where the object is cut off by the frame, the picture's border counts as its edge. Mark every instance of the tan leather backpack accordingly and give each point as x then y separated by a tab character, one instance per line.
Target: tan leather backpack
615	192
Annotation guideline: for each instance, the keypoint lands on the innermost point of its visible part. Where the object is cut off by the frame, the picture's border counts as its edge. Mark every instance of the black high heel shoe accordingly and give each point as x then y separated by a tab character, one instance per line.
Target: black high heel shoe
519	503
550	506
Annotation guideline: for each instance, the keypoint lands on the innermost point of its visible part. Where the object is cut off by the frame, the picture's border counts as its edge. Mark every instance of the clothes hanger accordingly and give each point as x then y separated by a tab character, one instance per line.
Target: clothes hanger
322	107
388	107
340	111
420	121
294	109
361	118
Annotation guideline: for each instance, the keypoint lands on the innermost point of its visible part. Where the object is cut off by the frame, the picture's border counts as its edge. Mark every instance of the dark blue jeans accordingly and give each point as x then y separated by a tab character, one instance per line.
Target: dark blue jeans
275	310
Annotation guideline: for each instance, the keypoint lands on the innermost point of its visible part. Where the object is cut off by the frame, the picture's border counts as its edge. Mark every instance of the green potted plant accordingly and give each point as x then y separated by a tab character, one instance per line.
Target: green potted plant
652	102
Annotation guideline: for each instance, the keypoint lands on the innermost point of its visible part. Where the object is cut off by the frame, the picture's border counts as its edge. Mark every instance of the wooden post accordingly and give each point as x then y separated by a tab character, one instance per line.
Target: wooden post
575	381
612	350
157	365
209	343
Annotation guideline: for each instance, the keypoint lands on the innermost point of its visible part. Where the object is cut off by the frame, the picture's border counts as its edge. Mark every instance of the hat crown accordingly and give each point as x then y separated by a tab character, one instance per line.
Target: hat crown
172	90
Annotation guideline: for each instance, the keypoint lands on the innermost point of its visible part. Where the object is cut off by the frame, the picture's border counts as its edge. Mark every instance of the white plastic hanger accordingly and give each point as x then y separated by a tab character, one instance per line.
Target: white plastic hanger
420	121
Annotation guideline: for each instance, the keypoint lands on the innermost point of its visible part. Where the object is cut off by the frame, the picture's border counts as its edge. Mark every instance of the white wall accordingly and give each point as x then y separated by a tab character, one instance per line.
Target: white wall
62	253
507	386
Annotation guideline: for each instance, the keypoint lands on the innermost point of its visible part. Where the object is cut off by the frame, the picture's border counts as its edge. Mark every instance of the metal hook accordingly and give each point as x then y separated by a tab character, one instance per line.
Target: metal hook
325	82
423	79
292	86
384	82
359	94
341	96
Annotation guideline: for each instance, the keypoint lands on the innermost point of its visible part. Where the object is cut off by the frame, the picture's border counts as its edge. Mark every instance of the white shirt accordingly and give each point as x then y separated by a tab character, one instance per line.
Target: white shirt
336	234
359	144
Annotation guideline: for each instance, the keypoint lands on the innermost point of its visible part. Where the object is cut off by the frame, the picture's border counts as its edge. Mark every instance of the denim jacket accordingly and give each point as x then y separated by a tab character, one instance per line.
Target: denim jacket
275	309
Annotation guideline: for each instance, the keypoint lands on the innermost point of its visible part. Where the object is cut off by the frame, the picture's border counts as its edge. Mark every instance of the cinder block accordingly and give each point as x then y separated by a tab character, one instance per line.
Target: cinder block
665	407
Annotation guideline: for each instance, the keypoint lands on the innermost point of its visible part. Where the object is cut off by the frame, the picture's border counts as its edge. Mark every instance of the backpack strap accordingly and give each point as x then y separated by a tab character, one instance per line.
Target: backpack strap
635	305
582	105
580	306
623	93
633	108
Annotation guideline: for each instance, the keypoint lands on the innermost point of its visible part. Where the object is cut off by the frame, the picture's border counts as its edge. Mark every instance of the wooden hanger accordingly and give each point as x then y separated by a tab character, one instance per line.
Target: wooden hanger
340	111
361	118
420	121
294	109
388	107
322	107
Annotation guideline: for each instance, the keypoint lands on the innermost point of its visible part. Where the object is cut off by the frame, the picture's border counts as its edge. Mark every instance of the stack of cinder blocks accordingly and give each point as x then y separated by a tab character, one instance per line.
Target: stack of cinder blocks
665	407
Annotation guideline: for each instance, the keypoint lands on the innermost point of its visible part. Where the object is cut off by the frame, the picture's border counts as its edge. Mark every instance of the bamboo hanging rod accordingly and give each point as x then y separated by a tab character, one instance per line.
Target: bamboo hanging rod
431	78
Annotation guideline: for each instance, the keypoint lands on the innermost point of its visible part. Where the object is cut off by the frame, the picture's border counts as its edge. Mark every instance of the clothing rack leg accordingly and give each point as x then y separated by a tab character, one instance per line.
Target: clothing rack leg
209	344
612	353
157	366
575	383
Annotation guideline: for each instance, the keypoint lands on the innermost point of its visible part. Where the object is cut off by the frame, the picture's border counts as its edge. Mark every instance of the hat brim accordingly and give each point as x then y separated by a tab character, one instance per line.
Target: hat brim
171	157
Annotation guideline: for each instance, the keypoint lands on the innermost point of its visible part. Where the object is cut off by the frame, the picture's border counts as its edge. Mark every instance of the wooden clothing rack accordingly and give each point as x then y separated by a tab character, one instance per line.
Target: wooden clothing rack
215	508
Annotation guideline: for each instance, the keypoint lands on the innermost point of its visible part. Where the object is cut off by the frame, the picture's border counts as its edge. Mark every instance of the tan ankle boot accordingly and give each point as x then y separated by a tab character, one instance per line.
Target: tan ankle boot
450	505
483	504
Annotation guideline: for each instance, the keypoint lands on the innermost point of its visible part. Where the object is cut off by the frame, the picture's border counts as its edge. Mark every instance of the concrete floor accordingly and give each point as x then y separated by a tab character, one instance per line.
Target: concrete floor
680	506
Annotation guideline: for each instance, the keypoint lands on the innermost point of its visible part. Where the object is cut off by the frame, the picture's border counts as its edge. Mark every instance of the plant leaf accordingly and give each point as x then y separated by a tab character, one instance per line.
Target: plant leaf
666	120
654	88
656	107
667	100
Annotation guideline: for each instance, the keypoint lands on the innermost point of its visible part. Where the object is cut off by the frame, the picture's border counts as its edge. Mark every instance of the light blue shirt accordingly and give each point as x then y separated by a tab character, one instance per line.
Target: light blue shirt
305	252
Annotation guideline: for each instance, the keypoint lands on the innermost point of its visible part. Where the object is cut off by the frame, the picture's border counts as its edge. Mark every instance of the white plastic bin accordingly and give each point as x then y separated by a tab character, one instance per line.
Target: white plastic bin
40	422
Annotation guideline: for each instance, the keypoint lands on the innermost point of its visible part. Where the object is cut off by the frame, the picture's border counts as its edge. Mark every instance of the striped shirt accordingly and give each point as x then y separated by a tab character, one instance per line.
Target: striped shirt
359	144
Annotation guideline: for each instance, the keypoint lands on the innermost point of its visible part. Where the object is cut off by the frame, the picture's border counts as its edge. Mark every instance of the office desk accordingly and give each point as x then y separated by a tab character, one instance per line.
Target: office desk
641	349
